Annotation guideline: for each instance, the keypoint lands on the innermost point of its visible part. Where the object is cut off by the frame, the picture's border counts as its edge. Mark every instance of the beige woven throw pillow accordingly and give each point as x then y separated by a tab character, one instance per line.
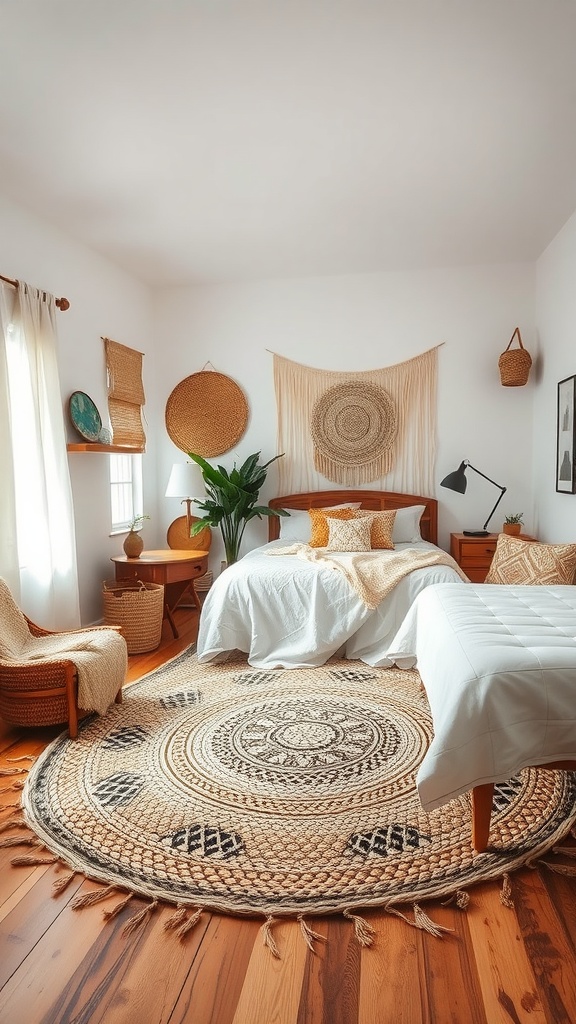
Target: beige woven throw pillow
382	526
348	535
520	562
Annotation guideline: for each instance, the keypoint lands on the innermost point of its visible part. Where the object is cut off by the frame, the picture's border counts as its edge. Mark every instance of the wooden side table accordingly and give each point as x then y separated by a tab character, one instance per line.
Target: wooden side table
174	569
474	554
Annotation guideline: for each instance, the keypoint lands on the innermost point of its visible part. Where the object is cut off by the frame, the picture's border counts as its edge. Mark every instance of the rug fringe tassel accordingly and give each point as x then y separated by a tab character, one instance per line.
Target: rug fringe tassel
175	919
6	807
138	918
23	757
28	860
88	899
20	841
421	921
19	784
309	934
566	851
17	821
460	898
268	938
560	869
12	771
506	893
62	882
189	923
363	931
115	910
426	924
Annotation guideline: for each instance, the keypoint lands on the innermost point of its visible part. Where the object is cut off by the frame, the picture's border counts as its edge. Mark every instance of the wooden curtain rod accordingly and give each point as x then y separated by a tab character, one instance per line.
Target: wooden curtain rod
62	304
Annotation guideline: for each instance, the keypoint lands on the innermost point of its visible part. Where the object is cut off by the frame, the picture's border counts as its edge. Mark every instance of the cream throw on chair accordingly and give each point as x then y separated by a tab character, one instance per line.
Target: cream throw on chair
99	653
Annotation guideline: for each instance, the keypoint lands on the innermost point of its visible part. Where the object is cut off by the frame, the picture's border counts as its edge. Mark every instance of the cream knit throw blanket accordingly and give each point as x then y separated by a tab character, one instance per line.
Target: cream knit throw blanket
100	654
373	575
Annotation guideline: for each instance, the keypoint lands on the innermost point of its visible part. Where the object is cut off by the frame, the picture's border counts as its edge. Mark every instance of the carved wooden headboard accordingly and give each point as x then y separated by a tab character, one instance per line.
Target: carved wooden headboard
376	500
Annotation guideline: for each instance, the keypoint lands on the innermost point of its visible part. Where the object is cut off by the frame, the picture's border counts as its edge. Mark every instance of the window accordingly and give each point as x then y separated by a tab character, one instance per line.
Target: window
125	490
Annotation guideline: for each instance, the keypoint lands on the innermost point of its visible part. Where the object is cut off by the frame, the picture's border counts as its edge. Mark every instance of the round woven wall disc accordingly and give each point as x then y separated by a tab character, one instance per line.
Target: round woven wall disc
354	423
178	536
206	413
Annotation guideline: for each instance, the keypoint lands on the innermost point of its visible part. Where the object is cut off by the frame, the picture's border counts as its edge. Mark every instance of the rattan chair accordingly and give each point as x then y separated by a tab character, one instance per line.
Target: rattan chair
32	692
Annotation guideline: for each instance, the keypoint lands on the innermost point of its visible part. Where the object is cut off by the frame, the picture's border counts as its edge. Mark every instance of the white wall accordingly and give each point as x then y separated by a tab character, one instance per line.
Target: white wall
362	322
103	301
556	313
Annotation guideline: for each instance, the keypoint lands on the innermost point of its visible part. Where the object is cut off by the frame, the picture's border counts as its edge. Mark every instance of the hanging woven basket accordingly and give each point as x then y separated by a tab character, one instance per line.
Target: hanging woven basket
514	364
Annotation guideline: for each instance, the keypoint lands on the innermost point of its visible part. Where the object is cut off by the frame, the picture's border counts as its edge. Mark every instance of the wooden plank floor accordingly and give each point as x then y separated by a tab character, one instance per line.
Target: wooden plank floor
58	966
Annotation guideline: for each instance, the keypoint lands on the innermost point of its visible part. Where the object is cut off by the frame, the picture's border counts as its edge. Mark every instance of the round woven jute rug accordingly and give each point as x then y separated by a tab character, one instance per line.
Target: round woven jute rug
285	792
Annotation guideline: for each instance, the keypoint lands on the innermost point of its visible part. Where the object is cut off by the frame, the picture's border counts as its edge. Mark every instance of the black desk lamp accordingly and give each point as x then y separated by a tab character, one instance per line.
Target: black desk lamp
457	481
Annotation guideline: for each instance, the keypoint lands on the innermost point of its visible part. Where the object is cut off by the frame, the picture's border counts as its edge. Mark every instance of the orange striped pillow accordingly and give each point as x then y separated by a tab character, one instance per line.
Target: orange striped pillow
318	517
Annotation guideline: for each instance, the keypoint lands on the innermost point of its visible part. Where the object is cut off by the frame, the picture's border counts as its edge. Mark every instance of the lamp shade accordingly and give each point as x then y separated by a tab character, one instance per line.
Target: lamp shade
456	481
185	480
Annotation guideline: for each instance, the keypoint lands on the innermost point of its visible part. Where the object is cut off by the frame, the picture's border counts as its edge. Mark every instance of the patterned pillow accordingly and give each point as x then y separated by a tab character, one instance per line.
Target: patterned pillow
319	538
520	562
382	526
348	535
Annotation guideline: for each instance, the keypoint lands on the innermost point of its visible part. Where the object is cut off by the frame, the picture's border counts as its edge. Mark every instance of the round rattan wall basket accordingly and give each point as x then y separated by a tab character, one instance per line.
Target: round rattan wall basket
206	413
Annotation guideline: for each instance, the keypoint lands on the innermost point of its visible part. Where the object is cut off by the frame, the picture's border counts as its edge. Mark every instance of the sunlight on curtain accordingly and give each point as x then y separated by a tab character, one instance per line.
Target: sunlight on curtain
42	491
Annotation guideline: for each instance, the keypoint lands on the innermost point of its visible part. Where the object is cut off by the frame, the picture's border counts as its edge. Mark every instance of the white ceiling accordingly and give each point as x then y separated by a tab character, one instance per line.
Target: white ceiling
221	140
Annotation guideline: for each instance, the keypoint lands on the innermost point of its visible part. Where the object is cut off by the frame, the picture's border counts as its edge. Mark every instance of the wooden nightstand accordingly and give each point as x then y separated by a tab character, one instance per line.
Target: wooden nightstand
474	554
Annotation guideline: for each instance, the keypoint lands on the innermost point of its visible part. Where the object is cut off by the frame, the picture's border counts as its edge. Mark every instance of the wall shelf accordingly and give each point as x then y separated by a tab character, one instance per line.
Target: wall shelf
93	446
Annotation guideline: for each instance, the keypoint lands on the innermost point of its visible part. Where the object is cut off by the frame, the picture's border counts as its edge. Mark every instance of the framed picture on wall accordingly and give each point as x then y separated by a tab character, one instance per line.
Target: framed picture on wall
565	435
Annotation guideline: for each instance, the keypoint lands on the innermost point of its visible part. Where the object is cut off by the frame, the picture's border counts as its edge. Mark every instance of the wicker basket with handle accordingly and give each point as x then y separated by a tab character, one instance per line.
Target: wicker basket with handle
138	609
514	364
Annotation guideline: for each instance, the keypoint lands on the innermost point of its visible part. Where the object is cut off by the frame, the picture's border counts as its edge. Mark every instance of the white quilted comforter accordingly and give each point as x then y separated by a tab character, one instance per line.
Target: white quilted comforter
499	667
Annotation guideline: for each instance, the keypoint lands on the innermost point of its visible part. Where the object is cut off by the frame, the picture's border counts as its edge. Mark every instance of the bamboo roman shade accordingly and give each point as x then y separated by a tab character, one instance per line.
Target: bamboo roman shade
125	394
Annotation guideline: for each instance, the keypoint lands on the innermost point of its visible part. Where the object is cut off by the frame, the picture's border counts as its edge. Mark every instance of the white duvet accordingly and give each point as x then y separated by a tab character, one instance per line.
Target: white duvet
499	667
286	612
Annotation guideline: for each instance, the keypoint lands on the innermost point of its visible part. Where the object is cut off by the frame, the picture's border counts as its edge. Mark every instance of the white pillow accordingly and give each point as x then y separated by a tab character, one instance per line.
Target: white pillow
406	529
298	525
349	534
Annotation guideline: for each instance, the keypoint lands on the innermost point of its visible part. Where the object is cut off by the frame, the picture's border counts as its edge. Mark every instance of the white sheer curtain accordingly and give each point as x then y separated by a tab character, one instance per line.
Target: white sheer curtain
37	541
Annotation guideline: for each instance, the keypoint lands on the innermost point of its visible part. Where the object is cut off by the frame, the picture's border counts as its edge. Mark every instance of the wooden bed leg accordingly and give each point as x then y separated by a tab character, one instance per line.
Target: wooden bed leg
482	797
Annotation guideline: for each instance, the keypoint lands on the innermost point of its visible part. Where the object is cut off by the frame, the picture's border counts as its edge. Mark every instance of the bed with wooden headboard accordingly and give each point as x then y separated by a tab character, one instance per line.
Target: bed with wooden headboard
297	609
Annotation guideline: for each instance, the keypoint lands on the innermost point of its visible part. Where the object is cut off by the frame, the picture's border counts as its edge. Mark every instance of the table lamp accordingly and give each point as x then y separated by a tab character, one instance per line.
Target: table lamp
457	481
185	479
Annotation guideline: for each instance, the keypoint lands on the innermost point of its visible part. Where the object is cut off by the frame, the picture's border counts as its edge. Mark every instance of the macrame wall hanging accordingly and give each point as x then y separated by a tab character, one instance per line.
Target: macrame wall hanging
354	428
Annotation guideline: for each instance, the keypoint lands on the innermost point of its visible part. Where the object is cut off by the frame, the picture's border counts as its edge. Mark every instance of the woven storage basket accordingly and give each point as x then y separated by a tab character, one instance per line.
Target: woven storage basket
514	364
138	609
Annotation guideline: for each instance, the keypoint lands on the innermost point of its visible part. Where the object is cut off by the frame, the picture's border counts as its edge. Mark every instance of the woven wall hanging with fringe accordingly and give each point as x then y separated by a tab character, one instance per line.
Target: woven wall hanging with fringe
206	413
356	427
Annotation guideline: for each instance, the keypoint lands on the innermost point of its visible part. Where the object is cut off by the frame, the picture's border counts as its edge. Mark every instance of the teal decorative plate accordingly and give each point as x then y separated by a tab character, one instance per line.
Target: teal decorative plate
85	416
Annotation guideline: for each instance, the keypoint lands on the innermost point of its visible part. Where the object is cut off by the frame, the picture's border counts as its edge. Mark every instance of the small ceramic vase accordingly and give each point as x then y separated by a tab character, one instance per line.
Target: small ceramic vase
133	545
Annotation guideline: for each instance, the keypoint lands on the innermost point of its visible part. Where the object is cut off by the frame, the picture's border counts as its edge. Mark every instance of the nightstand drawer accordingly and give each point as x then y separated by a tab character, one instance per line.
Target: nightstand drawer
476	553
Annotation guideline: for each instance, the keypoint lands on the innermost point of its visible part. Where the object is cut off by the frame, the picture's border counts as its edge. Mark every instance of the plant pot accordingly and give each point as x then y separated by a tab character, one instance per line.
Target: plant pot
133	545
513	528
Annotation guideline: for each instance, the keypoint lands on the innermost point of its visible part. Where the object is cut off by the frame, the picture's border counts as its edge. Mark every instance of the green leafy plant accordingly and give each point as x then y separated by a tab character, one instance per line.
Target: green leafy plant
516	518
232	500
137	521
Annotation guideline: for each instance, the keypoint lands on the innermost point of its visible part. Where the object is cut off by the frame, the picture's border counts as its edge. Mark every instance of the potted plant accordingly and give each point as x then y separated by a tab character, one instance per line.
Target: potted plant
133	544
232	498
513	524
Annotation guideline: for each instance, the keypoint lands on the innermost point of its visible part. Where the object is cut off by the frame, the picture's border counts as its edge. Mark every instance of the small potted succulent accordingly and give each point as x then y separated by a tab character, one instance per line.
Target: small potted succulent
513	524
